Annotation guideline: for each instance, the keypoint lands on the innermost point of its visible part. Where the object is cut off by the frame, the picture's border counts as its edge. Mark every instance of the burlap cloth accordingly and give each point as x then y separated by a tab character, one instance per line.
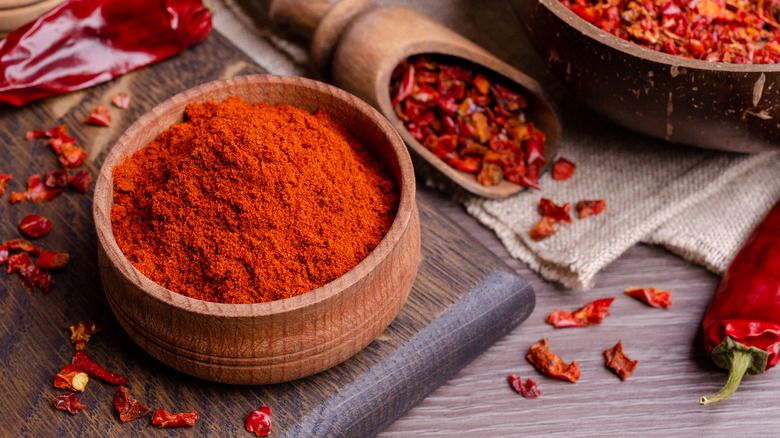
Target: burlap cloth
699	204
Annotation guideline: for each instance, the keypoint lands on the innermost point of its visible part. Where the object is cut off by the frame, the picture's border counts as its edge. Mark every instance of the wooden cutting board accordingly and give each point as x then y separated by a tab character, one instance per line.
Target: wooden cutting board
464	299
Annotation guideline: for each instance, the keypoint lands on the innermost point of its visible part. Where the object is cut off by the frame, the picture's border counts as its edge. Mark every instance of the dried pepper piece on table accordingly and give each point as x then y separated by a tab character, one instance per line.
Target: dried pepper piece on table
52	260
81	180
46	56
83	361
71	378
528	389
67	402
121	100
55	179
549	363
18	262
36	277
259	421
617	361
652	296
127	407
588	208
589	314
36	191
22	245
4	180
99	117
551	214
563	169
34	225
163	418
82	332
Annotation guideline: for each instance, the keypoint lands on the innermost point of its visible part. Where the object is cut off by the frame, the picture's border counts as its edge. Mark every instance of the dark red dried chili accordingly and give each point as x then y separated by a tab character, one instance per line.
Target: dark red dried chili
4	180
36	277
55	179
563	169
36	191
99	117
548	362
467	118
742	324
67	402
79	44
72	156
589	314
82	332
163	418
127	407
528	389
543	228
18	262
71	378
22	245
547	208
34	225
652	296
591	207
52	260
83	361
617	361
259	421
81	180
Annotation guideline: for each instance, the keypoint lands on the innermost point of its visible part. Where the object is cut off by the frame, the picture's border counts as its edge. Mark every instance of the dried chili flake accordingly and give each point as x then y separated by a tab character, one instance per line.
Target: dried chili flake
36	191
474	114
547	208
528	389
617	361
590	208
163	418
18	262
60	131
71	378
259	421
4	180
121	100
34	225
83	361
100	117
22	245
72	156
17	197
55	179
52	260
543	229
67	402
81	180
548	362
589	314
36	277
82	332
3	253
128	407
652	296
563	169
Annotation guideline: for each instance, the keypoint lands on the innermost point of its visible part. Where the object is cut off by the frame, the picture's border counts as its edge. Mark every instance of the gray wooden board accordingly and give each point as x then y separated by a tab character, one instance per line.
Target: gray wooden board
463	300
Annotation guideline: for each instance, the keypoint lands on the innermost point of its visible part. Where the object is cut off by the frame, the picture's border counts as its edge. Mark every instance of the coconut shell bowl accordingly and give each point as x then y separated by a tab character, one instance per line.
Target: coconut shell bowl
281	340
712	105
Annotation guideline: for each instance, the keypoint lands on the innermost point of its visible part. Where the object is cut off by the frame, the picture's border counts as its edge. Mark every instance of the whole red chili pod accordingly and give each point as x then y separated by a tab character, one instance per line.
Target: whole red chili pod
742	324
81	43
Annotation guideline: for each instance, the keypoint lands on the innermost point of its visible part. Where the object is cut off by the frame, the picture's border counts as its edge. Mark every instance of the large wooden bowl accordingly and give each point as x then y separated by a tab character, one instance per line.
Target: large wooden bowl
712	105
281	340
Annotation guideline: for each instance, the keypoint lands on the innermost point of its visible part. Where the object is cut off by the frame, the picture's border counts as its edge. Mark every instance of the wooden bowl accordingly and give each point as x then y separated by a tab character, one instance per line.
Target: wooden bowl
281	340
712	105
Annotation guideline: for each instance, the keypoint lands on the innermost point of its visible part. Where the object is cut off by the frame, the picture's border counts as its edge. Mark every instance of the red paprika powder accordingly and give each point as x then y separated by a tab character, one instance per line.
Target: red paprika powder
246	203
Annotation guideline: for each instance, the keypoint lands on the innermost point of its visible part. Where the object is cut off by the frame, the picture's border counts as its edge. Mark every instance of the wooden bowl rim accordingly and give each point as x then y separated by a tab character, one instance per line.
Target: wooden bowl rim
635	50
403	217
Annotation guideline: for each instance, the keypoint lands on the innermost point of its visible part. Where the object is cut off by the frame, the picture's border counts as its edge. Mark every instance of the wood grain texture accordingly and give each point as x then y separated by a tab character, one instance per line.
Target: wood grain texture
462	300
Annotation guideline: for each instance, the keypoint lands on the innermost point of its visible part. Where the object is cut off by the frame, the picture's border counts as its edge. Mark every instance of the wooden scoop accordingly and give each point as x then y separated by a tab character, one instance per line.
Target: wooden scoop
363	43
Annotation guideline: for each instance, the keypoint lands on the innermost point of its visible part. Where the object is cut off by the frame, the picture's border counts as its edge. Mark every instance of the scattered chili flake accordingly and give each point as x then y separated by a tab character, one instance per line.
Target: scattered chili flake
81	180
100	117
617	361
128	407
4	180
259	421
36	277
22	245
547	362
543	228
55	179
589	314
71	378
81	332
34	225
163	418
652	296
83	361
60	131
17	197
121	100
52	260
563	169
555	212
3	253
67	402
18	262
528	389
72	156
590	208
36	191
466	117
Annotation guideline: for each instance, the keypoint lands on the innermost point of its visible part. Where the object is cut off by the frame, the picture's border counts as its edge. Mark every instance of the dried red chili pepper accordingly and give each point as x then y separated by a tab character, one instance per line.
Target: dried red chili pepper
3	253
67	402
618	362
121	100
543	228
127	407
82	332
563	169
34	225
99	117
589	314
72	156
547	362
591	208
528	389
22	245
18	262
4	180
36	191
259	421
46	57
653	296
742	324
81	180
71	378
83	361
52	260
55	179
36	277
164	418
547	208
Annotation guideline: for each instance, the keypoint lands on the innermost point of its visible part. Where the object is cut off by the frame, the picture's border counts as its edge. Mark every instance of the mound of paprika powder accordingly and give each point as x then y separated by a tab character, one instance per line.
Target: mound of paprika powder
245	203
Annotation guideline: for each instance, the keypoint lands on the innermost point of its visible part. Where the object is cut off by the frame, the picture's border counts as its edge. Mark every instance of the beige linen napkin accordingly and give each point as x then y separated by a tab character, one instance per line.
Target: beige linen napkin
699	204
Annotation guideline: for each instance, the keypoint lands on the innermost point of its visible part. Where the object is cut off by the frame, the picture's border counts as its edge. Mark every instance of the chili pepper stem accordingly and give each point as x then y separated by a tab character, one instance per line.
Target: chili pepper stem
740	362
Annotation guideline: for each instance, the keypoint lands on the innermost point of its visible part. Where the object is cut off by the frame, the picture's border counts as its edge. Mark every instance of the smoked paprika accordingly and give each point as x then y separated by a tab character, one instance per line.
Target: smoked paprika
283	201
